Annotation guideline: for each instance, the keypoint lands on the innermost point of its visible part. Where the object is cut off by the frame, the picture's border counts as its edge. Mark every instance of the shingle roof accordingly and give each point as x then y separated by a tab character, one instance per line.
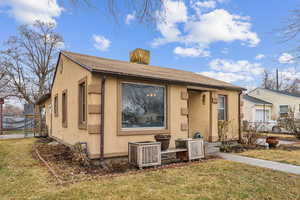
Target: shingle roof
284	92
122	68
255	100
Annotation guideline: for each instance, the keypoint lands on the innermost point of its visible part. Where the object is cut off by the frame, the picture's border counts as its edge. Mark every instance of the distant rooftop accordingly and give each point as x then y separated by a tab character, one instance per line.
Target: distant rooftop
284	92
256	100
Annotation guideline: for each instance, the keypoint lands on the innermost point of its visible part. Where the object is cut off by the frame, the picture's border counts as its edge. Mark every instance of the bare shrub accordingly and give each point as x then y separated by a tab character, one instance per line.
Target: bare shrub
252	135
80	155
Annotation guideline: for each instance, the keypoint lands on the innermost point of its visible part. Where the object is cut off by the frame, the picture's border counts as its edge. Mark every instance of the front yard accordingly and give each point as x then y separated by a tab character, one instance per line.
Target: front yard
289	154
23	177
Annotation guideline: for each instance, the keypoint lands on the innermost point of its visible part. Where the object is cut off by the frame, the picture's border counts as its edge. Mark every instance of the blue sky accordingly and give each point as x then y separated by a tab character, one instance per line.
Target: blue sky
232	40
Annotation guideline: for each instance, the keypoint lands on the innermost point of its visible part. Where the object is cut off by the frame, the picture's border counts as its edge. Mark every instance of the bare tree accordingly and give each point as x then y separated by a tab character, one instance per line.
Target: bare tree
29	60
4	83
285	83
145	10
290	122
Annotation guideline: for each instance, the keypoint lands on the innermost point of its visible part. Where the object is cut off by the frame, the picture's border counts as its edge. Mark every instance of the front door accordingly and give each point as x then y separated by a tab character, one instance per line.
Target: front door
198	118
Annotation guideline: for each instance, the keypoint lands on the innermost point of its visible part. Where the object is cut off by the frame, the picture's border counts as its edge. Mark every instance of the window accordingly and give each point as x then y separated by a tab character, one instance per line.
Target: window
283	109
64	110
262	115
222	107
143	106
82	104
56	106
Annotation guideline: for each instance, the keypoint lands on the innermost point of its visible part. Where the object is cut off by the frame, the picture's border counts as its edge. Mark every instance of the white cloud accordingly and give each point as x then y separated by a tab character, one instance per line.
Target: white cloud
227	76
172	13
101	43
285	58
290	73
220	25
191	52
259	56
232	71
129	18
240	66
28	11
177	26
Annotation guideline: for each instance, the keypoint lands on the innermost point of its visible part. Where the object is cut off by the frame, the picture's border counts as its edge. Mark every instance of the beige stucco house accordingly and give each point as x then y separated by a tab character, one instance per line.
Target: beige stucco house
264	105
108	103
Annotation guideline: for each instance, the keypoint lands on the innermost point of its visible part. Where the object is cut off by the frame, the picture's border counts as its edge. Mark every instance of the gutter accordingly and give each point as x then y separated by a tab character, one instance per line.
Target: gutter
239	116
102	119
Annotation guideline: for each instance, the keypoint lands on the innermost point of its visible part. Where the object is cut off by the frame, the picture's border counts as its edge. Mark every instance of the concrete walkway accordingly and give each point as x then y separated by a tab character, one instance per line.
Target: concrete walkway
262	163
15	136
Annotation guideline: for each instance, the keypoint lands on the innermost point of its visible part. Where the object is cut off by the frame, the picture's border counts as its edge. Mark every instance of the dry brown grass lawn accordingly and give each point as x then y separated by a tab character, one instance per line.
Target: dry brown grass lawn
22	177
290	154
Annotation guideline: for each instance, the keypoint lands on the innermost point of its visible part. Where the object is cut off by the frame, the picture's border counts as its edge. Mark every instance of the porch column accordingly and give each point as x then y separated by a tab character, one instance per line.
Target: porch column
213	117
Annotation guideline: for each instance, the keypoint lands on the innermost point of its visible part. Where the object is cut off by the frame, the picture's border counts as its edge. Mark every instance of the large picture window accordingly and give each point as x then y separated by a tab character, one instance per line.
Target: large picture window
143	106
222	107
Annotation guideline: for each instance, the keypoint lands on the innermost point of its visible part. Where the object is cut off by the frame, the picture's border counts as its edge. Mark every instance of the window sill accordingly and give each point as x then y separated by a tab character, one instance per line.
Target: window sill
143	132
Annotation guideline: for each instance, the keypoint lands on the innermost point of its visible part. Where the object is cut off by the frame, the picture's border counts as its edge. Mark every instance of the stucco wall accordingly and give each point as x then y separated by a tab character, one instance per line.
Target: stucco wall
69	79
277	99
114	143
232	114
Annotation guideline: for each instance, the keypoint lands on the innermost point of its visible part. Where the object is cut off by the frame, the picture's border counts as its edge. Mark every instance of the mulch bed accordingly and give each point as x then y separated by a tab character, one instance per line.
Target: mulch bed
65	169
238	148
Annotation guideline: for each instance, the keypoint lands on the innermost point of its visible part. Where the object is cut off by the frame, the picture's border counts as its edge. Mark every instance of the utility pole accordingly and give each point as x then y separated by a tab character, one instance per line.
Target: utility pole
277	84
1	115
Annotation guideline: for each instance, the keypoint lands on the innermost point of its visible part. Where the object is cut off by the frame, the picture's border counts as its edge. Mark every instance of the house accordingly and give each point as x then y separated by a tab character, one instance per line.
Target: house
265	105
107	103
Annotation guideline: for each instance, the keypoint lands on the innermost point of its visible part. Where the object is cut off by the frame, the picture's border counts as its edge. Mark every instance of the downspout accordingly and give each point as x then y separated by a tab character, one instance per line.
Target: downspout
102	118
239	116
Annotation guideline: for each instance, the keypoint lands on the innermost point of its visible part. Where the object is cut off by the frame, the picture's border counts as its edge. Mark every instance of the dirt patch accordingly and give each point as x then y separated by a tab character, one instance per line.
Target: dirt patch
61	159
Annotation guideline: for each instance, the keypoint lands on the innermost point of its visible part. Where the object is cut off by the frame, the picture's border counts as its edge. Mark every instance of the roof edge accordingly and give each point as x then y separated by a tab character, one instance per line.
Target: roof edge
166	80
237	88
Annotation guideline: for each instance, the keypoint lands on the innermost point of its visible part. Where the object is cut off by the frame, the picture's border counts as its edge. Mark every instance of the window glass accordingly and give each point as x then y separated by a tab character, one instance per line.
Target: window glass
56	105
262	115
82	102
283	109
64	109
143	106
222	107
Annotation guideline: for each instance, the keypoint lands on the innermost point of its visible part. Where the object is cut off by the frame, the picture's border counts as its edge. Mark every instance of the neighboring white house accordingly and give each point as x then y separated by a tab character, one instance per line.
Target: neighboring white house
266	105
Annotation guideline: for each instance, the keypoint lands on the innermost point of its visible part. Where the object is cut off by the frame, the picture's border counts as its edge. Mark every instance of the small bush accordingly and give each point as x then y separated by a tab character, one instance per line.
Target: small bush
80	155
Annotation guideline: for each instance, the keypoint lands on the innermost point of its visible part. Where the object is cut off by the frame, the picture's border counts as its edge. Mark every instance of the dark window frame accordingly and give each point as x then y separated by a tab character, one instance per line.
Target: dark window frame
82	104
55	107
64	108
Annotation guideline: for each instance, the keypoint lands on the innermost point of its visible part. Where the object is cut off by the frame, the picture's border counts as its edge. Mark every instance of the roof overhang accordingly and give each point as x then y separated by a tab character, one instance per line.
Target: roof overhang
149	78
189	84
43	98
